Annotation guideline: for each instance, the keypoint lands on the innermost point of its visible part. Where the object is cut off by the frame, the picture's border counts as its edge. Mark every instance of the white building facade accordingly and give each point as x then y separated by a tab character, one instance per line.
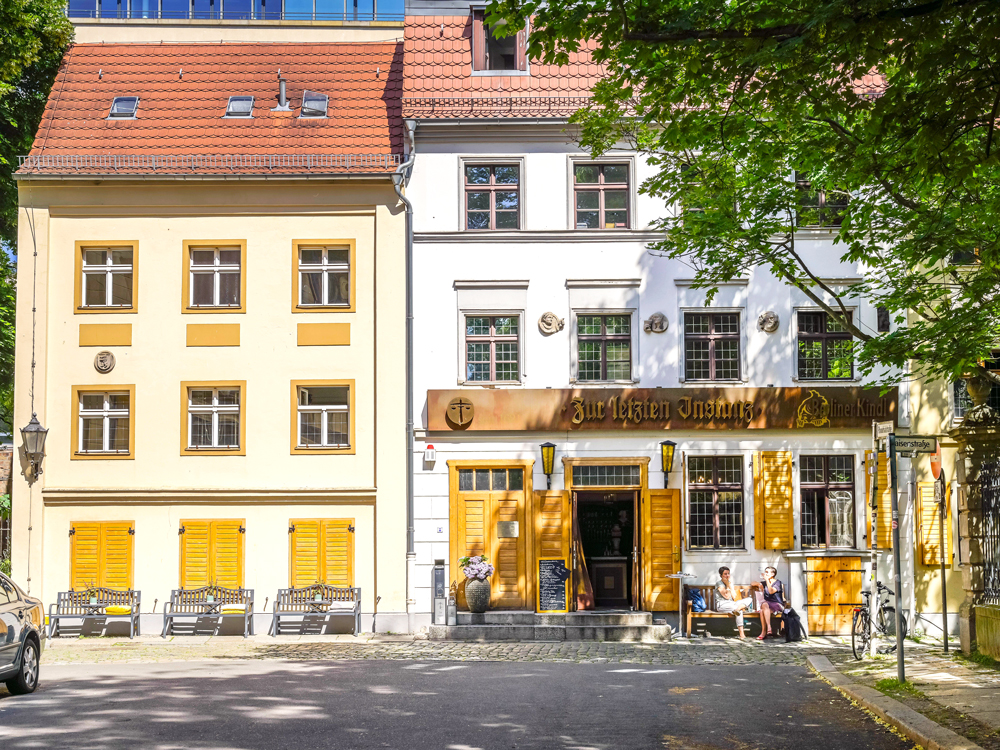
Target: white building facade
542	318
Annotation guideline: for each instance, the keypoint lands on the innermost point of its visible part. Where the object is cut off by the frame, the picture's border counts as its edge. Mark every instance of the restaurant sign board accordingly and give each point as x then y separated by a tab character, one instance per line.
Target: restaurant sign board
550	409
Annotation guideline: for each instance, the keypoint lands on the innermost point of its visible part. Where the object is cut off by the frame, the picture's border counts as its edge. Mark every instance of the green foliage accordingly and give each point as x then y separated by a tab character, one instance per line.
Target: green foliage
731	100
7	314
35	35
895	689
4	507
979	658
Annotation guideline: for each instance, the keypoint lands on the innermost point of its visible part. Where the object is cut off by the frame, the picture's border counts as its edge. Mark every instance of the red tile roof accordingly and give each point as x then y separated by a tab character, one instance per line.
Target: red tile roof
179	126
438	80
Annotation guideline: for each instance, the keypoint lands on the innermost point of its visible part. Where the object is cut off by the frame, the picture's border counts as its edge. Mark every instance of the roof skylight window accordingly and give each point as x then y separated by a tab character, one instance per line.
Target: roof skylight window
240	106
124	107
313	104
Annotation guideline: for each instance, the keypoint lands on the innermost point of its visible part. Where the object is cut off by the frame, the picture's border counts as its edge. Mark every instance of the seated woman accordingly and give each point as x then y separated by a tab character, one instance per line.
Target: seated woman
729	598
774	599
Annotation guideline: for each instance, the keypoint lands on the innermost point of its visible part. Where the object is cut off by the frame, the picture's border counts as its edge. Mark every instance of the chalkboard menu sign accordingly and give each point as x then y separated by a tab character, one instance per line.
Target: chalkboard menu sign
552	577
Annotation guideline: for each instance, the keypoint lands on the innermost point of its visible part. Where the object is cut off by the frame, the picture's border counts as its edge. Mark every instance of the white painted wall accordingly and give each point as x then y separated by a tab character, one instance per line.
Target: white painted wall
547	254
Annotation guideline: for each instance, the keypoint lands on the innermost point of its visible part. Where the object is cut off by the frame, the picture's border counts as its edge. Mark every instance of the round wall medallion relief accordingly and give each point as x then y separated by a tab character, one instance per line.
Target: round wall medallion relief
768	321
104	362
655	323
460	411
550	323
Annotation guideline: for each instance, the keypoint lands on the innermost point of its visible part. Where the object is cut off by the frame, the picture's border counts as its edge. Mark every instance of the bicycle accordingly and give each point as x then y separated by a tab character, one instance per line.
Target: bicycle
885	622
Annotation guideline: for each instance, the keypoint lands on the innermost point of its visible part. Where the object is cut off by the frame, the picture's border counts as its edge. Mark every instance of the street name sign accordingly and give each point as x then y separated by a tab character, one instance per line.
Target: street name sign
916	443
883	430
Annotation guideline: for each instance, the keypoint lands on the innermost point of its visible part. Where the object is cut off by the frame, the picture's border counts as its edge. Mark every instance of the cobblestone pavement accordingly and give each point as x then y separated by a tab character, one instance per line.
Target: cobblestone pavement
180	648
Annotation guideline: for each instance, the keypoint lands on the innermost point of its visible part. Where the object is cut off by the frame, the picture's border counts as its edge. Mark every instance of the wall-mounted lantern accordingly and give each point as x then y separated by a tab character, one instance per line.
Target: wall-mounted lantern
548	461
667	458
33	438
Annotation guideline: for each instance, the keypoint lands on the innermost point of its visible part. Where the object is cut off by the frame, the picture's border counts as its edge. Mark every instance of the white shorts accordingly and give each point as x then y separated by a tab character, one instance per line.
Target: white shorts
724	605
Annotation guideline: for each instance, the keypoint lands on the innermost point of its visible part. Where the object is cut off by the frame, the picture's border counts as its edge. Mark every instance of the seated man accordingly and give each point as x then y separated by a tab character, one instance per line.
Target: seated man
774	600
730	598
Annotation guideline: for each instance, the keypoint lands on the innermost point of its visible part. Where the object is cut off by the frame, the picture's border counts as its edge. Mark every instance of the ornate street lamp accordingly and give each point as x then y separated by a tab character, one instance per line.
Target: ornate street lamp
33	437
667	458
548	461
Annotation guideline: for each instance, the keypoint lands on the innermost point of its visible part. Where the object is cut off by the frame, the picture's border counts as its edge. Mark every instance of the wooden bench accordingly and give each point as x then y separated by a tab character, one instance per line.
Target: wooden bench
319	600
209	601
708	592
96	604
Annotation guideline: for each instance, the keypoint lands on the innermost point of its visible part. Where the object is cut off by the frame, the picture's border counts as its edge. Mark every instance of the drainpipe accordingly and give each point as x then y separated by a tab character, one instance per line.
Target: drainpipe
399	181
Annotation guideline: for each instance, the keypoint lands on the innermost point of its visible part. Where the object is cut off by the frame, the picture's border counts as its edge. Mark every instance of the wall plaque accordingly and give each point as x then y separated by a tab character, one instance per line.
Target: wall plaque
507	530
545	410
104	362
552	577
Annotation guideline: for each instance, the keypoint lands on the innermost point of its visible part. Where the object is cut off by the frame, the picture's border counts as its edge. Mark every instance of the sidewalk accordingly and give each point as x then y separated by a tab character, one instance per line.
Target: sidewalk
953	692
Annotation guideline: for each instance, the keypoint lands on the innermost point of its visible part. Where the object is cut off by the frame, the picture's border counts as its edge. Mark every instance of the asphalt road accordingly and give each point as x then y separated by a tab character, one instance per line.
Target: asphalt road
241	704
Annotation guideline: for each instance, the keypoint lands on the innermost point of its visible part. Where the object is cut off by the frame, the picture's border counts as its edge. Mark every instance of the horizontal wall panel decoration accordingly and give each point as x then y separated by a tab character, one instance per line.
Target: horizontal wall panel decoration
324	334
105	334
223	334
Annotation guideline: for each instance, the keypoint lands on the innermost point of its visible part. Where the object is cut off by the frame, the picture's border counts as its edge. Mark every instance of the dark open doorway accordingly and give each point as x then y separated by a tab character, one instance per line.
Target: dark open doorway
606	533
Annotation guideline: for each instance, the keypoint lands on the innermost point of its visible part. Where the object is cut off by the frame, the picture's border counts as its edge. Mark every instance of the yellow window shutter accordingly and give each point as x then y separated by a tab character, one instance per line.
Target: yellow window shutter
195	567
84	555
760	542
869	457
929	536
227	553
117	543
304	553
775	483
338	551
884	503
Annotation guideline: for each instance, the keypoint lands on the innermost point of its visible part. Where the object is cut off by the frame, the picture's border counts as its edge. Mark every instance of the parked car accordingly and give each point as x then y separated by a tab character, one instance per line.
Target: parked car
22	636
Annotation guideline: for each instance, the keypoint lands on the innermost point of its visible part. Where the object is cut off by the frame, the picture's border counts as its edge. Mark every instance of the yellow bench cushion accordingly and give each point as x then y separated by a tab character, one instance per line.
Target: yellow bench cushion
234	609
118	610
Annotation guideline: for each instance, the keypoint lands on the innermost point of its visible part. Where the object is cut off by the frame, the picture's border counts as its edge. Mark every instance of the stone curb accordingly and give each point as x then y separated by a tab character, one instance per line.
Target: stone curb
916	726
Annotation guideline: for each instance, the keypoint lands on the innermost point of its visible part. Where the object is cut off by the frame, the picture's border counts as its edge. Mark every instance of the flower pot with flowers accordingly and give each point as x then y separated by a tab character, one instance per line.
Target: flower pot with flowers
477	584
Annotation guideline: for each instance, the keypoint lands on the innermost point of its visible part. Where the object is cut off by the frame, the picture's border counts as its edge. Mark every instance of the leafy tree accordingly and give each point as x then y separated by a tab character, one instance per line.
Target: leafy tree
894	102
33	36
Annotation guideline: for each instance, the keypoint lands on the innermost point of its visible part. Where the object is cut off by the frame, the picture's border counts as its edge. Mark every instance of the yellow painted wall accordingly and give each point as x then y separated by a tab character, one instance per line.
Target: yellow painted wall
932	415
268	485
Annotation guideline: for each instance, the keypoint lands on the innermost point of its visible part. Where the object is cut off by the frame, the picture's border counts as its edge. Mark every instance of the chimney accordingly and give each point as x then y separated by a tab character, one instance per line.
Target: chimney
282	97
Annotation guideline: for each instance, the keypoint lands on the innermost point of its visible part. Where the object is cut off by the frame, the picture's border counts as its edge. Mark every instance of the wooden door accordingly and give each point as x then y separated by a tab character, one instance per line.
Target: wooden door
508	586
490	520
833	589
553	536
848	577
661	553
819	596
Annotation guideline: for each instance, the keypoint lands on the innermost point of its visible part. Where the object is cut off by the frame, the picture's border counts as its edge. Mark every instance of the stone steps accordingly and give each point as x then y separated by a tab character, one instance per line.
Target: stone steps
620	627
527	617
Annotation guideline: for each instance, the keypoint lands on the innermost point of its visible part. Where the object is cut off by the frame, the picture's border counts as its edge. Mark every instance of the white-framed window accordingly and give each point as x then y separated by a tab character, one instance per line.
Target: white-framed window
213	418
492	348
215	276
712	346
324	416
604	346
324	276
107	276
104	422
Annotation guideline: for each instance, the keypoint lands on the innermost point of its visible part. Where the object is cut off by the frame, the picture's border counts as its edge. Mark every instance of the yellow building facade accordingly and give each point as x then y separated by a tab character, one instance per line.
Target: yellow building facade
219	364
